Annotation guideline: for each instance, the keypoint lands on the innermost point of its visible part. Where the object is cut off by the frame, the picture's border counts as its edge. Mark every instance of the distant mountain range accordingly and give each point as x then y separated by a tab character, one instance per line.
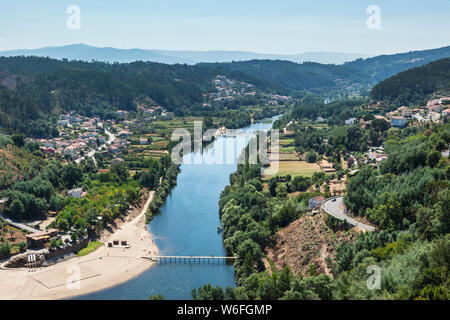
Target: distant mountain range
108	54
384	66
33	87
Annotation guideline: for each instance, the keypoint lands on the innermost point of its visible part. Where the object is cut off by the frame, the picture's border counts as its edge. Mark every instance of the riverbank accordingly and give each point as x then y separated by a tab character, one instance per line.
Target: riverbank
104	268
187	225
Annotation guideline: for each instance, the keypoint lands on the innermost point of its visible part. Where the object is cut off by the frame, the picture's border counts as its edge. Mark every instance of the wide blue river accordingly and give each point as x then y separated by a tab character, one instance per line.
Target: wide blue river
187	225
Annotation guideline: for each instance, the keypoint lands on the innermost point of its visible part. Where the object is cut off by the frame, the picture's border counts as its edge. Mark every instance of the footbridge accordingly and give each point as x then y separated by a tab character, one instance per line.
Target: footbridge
190	259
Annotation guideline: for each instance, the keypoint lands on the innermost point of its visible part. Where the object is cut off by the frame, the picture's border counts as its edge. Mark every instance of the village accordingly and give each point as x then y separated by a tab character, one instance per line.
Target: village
328	175
128	137
229	90
434	111
82	137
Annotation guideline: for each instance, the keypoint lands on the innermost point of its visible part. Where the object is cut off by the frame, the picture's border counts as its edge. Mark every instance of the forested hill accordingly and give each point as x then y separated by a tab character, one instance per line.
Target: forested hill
289	76
33	88
77	83
415	85
382	67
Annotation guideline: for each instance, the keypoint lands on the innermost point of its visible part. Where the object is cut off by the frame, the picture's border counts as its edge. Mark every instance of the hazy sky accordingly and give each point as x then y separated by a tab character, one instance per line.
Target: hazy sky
278	26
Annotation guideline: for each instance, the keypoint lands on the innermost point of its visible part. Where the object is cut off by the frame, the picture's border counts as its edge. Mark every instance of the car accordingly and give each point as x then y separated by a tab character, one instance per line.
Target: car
333	200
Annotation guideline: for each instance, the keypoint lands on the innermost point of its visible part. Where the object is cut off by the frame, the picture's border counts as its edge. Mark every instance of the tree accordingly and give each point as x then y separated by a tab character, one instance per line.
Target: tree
63	224
18	139
312	270
71	174
273	187
22	245
17	209
251	247
121	171
281	190
56	202
207	122
147	179
208	292
388	213
285	216
300	183
54	243
5	249
433	158
311	157
285	280
256	183
380	125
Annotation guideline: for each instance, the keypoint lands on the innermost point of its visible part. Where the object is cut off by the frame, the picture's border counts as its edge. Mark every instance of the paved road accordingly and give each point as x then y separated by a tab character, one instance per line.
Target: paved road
19	225
333	208
111	136
90	154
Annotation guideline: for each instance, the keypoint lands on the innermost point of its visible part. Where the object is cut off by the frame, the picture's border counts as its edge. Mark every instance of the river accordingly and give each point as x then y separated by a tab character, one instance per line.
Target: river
187	225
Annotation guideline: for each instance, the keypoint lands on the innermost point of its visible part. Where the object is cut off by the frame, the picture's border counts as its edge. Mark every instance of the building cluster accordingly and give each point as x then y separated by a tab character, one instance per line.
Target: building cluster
156	112
434	111
77	134
275	99
228	90
376	155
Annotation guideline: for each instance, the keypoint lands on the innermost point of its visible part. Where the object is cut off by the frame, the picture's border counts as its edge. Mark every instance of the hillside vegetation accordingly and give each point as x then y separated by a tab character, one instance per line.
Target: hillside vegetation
415	85
33	90
385	66
288	76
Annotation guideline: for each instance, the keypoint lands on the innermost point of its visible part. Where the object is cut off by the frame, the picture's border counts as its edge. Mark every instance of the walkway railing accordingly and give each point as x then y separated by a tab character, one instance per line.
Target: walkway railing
190	259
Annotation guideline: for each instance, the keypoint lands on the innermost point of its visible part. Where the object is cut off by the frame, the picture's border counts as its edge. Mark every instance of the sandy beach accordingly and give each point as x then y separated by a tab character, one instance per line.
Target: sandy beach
101	269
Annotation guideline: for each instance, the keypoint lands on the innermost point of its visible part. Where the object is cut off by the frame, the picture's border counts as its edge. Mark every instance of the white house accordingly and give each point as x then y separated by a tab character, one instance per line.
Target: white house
75	193
350	121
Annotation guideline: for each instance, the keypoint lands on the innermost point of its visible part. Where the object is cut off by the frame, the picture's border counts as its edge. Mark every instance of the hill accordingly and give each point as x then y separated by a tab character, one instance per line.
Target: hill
34	88
385	66
415	85
288	76
15	162
108	54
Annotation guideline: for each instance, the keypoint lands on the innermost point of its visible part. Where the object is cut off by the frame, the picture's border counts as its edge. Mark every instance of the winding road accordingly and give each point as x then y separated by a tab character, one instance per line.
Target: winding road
90	154
332	206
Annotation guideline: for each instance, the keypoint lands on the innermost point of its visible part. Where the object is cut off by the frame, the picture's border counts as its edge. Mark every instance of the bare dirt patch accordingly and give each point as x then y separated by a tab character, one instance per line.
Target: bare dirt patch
304	242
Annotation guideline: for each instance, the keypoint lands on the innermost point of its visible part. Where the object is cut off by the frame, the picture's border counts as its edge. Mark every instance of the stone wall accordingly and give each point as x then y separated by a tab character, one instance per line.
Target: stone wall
74	248
21	260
